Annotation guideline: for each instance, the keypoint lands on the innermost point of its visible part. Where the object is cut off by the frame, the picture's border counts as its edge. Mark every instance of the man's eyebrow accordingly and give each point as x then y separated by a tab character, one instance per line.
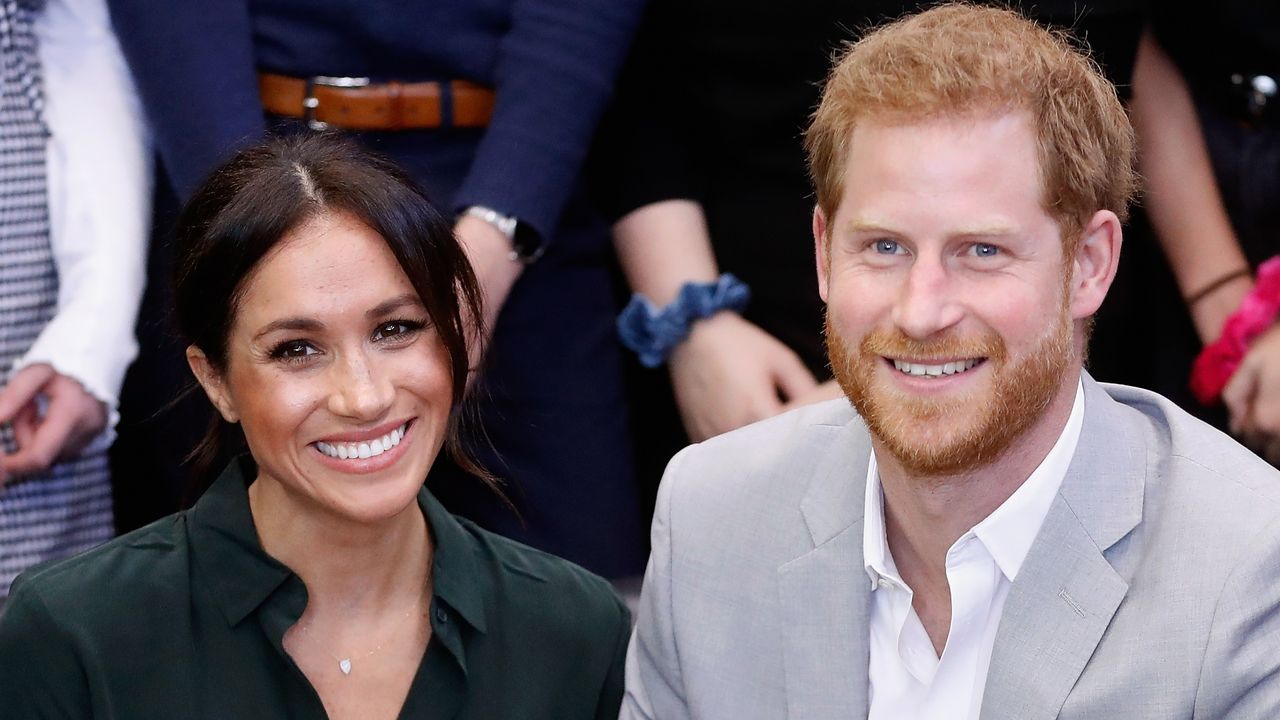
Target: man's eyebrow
395	303
992	230
297	323
860	225
985	231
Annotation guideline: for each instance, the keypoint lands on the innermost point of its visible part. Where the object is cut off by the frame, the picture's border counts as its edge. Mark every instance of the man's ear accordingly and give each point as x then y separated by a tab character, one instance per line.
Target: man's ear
211	380
1095	263
821	254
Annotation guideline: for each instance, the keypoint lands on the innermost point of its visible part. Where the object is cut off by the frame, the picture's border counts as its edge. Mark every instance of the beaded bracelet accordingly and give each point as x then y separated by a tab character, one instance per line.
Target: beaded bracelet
1220	359
653	333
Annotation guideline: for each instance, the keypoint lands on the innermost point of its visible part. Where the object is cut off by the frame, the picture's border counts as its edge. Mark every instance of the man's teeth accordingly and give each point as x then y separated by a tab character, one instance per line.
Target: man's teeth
950	368
361	450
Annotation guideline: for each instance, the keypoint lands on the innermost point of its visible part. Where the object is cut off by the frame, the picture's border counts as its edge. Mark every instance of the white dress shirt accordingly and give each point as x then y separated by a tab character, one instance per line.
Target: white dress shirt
99	179
907	678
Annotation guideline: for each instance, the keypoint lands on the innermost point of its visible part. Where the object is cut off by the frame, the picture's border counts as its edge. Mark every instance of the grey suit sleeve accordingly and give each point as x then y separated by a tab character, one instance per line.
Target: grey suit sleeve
655	686
1240	677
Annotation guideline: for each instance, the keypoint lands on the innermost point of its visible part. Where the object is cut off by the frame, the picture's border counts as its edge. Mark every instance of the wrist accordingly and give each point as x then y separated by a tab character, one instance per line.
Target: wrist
653	333
709	332
523	244
1219	360
1210	314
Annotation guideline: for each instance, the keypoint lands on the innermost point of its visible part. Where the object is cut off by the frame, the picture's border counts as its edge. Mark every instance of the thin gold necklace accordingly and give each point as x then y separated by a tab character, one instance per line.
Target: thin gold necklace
344	663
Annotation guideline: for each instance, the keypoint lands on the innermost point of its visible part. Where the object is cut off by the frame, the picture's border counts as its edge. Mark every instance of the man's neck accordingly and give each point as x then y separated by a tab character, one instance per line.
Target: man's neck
925	515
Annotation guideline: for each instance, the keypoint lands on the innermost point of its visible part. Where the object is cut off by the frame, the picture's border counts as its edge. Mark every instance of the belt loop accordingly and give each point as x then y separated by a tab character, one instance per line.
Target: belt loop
446	104
309	104
395	104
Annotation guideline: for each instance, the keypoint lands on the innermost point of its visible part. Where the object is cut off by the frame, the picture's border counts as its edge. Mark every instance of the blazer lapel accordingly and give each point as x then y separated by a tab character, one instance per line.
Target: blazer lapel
1067	592
824	594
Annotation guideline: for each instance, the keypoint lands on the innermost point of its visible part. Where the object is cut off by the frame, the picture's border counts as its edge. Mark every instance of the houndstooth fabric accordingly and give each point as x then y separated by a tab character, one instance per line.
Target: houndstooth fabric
68	508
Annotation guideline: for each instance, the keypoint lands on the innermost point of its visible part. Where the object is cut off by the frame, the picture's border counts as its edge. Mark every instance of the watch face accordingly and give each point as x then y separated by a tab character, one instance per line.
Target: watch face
526	243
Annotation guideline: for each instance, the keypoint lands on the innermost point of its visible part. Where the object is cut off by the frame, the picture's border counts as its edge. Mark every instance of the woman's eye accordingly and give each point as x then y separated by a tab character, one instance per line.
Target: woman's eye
985	250
294	350
396	329
887	247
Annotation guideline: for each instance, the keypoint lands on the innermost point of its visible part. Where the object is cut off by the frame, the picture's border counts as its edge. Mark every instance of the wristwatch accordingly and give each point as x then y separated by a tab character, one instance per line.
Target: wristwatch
526	245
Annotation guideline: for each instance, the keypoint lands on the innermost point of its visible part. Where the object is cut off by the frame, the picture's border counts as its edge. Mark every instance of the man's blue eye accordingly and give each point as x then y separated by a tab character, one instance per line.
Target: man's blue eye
887	247
985	250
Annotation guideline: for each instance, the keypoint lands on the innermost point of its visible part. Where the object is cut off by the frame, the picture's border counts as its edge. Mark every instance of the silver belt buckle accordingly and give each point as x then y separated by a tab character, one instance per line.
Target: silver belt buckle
310	102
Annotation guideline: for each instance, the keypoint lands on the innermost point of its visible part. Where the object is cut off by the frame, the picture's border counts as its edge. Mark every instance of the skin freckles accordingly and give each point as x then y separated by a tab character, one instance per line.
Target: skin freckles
942	253
331	344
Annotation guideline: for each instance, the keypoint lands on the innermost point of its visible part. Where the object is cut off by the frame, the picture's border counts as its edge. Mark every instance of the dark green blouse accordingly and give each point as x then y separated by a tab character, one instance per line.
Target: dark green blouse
184	619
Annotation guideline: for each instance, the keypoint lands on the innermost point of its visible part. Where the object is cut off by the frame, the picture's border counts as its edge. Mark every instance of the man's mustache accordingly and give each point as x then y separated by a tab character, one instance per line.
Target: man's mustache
950	345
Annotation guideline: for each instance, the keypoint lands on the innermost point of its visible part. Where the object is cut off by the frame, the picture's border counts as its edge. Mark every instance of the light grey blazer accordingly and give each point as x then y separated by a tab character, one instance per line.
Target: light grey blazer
1152	590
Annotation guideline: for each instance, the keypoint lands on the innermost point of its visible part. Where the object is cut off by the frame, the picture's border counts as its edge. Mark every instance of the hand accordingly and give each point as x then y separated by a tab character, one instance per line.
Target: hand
72	418
829	390
729	373
1253	397
490	254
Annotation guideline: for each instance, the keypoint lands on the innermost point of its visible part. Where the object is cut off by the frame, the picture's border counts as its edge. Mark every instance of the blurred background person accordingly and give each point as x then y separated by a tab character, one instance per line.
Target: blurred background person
491	107
326	304
1207	112
74	202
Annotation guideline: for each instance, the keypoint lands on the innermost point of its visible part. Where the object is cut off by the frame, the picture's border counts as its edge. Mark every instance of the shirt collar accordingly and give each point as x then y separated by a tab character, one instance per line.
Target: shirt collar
875	544
243	576
1007	532
225	546
455	574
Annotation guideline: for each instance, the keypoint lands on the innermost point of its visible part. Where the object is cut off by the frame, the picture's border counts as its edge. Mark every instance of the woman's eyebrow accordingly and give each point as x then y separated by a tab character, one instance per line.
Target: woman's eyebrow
392	305
299	323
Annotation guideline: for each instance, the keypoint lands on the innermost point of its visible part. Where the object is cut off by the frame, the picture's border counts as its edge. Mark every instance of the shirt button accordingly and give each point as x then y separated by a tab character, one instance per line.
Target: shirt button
441	615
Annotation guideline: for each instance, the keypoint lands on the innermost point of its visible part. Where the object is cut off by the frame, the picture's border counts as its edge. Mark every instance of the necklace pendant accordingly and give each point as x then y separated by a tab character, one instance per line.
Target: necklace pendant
345	665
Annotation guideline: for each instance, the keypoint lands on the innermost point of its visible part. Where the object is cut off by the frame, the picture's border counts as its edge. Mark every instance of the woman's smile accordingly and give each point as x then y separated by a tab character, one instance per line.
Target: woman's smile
365	452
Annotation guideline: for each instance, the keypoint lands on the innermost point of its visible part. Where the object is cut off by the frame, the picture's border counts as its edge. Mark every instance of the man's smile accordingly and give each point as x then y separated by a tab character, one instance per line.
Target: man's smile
918	369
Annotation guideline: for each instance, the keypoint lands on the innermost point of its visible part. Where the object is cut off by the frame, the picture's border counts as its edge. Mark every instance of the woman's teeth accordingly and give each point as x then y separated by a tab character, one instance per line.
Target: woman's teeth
950	368
361	450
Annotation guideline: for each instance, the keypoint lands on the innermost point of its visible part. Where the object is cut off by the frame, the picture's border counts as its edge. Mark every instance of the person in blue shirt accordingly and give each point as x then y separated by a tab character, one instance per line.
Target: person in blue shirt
491	107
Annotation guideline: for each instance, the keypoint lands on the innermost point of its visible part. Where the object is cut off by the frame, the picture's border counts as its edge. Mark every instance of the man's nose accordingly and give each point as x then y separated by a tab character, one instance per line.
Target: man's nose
361	390
926	302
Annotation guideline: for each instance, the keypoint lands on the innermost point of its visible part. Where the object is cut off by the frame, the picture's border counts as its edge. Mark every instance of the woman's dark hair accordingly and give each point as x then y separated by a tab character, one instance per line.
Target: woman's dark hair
247	206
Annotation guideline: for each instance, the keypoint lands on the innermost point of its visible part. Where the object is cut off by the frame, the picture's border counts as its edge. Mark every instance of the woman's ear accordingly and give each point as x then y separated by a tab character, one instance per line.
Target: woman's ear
211	380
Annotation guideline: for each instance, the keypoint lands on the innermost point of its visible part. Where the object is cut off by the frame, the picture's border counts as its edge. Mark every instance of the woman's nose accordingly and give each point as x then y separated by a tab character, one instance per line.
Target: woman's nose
361	391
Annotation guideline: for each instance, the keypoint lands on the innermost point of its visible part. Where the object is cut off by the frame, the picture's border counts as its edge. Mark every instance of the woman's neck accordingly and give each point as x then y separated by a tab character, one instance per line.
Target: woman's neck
348	567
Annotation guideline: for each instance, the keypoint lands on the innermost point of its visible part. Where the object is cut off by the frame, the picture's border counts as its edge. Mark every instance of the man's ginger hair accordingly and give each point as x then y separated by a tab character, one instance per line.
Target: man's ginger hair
964	60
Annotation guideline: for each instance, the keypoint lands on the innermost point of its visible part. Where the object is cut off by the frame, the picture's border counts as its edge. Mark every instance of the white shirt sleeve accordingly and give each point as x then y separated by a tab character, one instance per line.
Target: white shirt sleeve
100	183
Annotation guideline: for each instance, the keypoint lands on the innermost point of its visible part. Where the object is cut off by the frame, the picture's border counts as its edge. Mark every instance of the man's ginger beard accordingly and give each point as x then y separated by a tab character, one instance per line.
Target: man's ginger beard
934	437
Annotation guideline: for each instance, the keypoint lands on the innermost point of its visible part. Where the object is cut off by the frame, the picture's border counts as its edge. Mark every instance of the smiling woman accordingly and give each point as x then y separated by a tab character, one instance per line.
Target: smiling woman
327	306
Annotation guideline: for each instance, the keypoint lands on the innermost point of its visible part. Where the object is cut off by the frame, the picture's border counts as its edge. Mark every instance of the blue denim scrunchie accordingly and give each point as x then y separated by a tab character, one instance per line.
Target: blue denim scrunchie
652	333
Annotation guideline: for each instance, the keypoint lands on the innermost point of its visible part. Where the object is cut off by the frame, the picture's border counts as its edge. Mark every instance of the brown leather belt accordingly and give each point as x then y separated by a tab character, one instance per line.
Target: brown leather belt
357	104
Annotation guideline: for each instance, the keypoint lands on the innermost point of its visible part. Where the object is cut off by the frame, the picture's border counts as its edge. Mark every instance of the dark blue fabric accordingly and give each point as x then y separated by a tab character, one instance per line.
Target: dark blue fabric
553	63
194	70
551	399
